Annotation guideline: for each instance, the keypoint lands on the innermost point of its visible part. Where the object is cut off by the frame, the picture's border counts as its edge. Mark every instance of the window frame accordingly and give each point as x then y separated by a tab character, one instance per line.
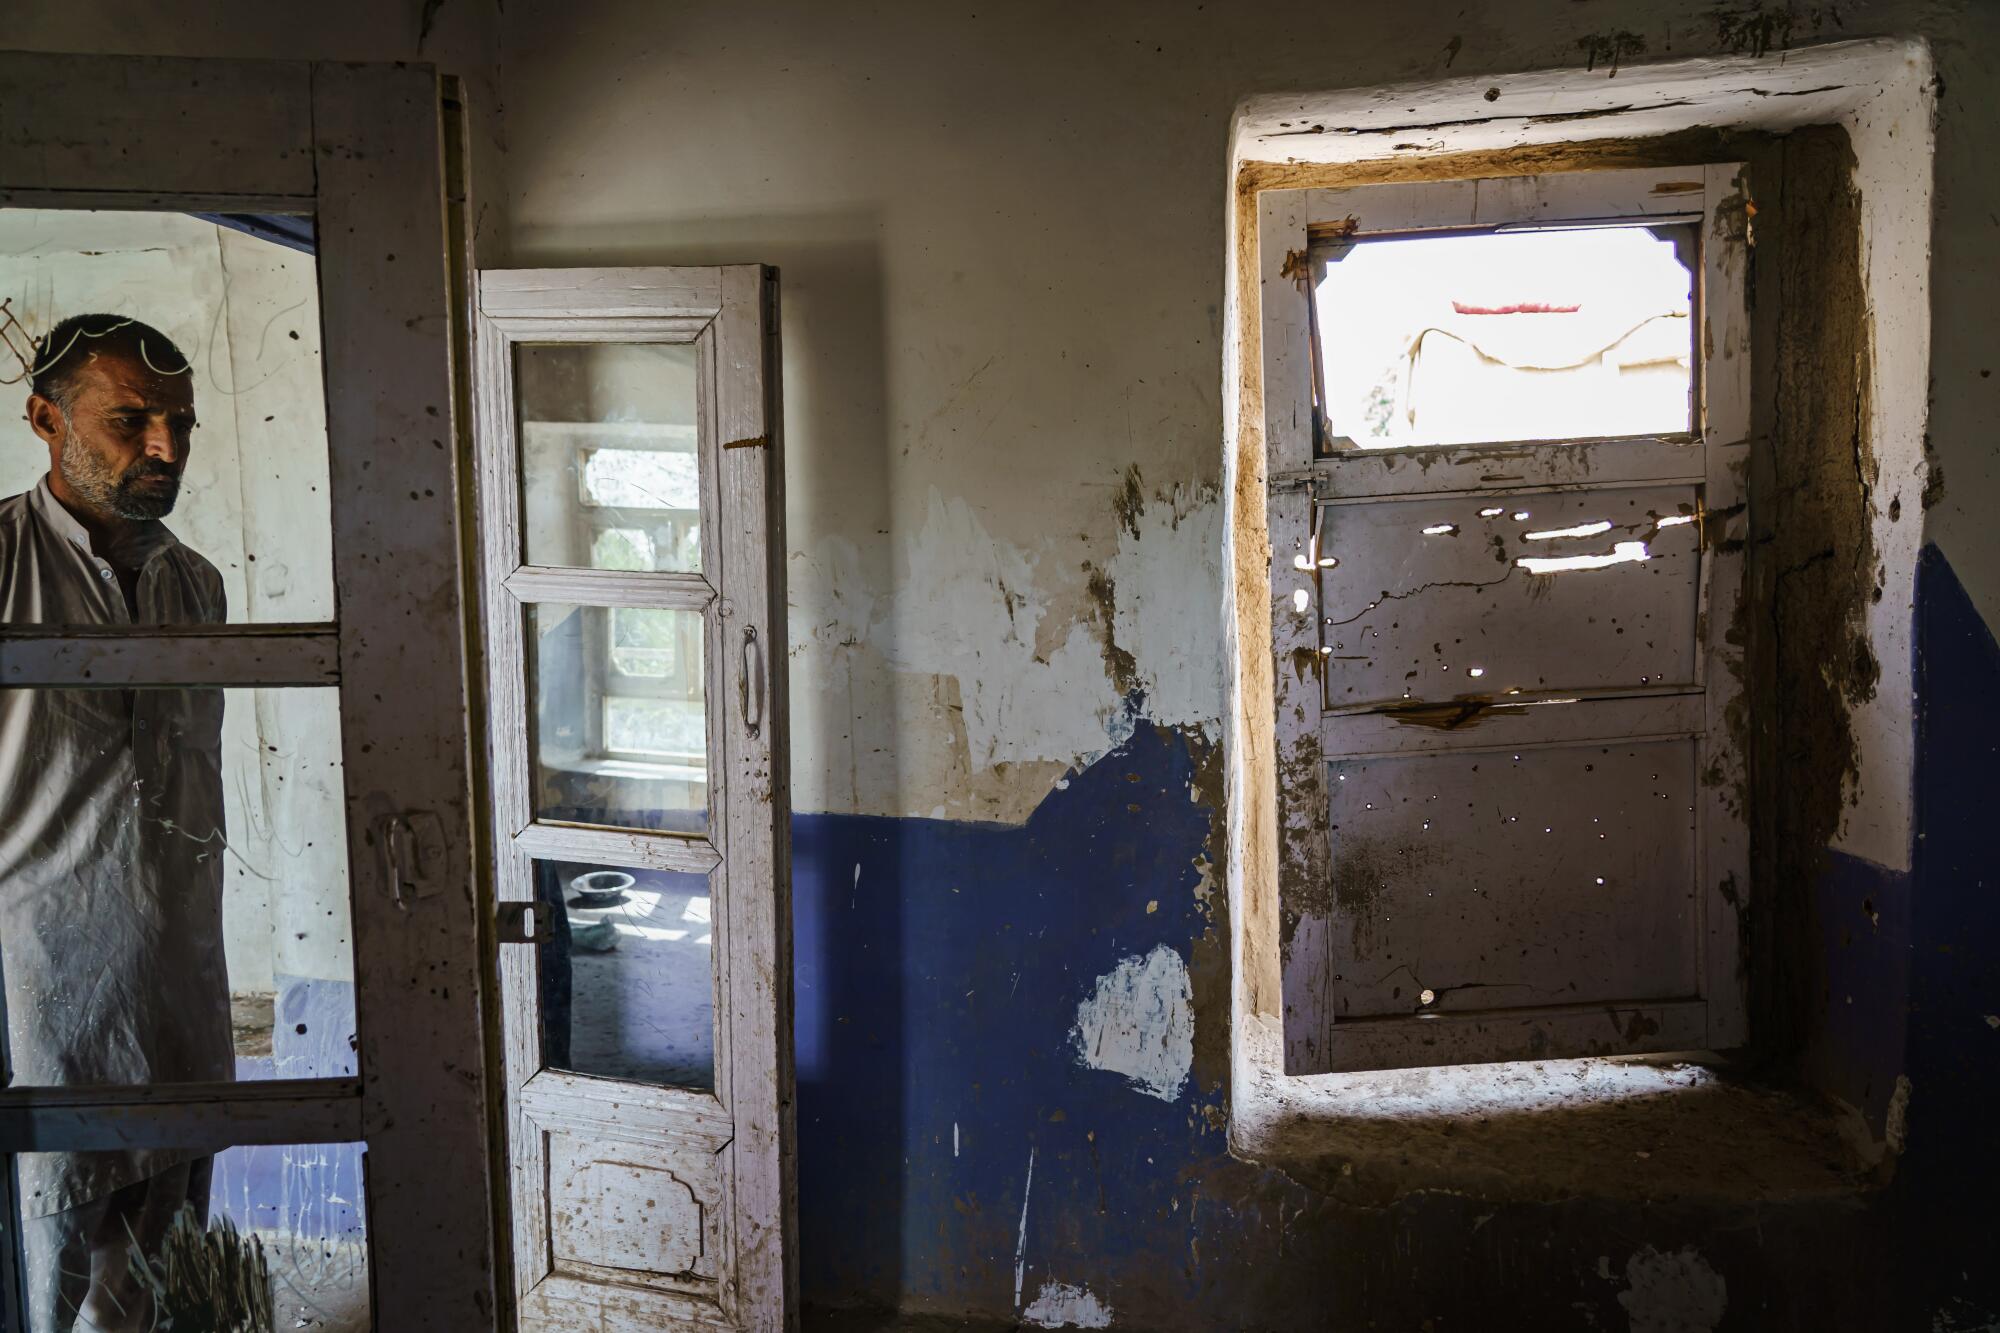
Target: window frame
1302	482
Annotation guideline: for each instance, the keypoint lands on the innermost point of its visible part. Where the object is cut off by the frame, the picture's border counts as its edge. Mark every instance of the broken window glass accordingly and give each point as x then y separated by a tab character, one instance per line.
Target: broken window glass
1492	337
271	1236
174	901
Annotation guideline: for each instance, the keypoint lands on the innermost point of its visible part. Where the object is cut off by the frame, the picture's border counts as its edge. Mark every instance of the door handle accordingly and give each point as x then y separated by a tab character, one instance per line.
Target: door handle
389	832
753	695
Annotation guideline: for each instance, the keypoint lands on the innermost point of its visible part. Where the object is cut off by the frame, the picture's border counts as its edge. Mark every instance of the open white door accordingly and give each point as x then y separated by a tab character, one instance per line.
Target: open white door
631	514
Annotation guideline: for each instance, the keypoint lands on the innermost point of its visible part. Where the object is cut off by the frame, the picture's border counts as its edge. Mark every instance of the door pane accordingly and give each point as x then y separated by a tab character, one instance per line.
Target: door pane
208	334
627	982
299	1245
174	899
621	731
1504	879
609	462
1530	335
1480	597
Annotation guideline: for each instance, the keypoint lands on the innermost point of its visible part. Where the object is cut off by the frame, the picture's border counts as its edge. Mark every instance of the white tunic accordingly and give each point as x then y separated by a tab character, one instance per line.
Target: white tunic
111	847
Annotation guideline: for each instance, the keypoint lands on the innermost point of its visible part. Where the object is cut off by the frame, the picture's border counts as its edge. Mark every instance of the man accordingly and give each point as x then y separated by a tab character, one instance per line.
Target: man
111	823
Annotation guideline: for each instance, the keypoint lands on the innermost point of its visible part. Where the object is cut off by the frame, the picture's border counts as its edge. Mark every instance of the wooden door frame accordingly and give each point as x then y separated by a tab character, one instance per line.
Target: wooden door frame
359	147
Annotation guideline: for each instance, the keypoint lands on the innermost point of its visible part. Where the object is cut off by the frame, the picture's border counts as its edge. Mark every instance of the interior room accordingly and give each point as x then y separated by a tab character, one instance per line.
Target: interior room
861	667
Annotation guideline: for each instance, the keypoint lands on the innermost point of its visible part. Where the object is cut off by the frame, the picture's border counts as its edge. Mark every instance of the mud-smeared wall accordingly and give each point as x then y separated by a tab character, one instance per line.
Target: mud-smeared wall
1002	240
1003	250
959	1153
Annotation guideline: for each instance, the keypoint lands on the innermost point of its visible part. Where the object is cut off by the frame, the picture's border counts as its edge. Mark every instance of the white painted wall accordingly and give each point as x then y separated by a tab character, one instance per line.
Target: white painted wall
1002	236
1003	249
254	503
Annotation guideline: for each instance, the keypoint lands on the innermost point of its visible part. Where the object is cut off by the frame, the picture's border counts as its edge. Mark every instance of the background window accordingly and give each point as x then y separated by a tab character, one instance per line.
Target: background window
1504	566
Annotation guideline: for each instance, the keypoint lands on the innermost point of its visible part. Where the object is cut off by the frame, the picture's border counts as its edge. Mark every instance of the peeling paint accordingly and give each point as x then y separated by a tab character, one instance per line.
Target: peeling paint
1673	1293
1059	1305
1896	1124
1002	667
1139	1022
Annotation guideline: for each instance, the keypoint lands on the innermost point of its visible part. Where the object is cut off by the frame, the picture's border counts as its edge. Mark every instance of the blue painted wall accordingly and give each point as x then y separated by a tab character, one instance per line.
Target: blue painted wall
939	970
1945	1200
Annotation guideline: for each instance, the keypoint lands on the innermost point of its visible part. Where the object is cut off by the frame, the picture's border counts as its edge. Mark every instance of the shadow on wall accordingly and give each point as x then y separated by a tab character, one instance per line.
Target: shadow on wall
1943	1198
974	1141
962	1145
838	466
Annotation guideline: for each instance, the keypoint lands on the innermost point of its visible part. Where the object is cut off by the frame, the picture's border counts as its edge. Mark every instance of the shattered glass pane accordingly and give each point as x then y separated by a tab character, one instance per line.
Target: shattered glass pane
1581	333
281	1229
627	980
609	445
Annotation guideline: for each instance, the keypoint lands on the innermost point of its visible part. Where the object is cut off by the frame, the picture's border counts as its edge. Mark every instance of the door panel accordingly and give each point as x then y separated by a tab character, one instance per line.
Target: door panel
355	533
632	517
628	974
1490	879
626	1206
1453	597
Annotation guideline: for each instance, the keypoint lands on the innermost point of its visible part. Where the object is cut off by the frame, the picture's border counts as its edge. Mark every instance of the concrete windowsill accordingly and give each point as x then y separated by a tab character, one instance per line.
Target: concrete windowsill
1660	1128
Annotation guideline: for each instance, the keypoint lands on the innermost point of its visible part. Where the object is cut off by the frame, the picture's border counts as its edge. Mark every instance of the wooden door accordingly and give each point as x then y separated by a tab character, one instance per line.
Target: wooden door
348	156
632	510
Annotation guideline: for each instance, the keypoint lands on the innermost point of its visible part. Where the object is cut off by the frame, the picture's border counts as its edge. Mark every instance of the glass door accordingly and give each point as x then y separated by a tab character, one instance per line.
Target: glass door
238	932
632	512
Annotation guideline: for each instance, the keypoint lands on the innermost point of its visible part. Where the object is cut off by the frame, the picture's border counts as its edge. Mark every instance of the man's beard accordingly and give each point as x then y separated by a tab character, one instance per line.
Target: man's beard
125	494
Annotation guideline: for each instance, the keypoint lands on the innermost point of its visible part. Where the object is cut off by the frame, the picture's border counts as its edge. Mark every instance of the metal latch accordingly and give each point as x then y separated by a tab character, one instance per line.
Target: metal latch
516	923
414	855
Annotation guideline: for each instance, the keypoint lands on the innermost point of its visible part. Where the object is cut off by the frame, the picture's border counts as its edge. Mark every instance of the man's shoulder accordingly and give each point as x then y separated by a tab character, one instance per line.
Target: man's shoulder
194	559
197	565
15	512
200	571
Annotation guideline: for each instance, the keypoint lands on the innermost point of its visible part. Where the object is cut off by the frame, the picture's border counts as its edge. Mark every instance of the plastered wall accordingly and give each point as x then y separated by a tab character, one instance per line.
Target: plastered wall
1003	242
1002	235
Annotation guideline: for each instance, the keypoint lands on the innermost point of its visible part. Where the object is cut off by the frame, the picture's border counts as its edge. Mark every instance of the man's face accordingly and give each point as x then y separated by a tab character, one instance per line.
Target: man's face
127	434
